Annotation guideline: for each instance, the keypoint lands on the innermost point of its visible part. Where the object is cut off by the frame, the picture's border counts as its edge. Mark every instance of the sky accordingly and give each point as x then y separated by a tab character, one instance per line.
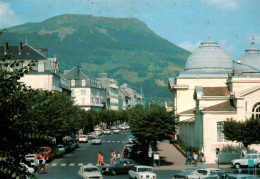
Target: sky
186	23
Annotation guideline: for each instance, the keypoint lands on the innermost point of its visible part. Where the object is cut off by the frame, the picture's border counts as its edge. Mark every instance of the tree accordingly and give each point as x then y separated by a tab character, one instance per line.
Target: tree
18	134
247	132
151	125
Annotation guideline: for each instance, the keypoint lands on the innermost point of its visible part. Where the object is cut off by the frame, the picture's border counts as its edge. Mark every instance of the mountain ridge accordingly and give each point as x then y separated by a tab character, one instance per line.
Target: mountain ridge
125	48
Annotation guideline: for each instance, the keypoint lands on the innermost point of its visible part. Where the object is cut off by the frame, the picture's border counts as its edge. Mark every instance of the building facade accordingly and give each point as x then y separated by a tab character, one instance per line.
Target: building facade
111	86
44	74
211	90
87	92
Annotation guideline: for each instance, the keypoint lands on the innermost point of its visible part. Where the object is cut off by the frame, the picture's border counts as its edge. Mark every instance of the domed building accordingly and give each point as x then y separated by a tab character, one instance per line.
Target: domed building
211	90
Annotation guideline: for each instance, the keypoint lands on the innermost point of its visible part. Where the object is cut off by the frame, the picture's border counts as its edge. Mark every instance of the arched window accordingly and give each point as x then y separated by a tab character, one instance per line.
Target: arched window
256	111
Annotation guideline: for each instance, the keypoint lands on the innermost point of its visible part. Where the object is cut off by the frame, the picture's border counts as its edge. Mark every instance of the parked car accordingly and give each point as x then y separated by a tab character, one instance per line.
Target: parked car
96	140
107	132
121	166
56	151
32	159
114	127
140	172
89	171
185	172
83	138
29	169
61	148
237	163
203	173
45	153
123	127
223	174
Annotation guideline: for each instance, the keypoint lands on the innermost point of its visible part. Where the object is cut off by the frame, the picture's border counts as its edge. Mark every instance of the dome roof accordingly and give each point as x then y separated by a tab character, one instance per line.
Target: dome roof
249	63
209	58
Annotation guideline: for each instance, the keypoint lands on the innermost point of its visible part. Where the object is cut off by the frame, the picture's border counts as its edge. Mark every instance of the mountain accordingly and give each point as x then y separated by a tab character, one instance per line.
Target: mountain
125	48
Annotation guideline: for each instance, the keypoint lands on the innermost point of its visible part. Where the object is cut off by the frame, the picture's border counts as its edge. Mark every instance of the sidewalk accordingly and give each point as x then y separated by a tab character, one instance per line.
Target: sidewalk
172	159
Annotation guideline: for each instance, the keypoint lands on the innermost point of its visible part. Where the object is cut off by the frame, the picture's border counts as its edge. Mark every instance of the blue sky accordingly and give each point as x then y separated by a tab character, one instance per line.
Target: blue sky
186	23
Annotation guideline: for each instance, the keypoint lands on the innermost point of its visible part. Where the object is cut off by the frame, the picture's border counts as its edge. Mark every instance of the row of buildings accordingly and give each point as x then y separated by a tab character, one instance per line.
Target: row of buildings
212	89
88	92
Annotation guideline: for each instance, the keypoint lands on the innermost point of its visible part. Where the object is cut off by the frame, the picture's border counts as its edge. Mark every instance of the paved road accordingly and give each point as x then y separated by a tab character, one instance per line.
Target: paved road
68	166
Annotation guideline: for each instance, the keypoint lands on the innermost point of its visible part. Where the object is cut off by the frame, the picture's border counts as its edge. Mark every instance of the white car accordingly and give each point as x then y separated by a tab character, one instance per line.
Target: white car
140	172
83	138
32	158
116	131
107	132
203	173
237	163
96	140
88	172
123	127
29	169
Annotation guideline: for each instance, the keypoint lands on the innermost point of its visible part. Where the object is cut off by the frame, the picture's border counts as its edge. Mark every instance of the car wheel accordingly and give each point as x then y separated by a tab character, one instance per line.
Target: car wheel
237	165
113	172
129	177
258	165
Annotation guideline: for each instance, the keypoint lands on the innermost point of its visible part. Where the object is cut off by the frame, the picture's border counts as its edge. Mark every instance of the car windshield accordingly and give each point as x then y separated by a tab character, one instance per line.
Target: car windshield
83	136
43	150
60	146
144	169
91	170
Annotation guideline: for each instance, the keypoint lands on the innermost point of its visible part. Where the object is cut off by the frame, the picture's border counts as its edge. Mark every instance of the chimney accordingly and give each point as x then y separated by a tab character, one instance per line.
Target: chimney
20	47
5	48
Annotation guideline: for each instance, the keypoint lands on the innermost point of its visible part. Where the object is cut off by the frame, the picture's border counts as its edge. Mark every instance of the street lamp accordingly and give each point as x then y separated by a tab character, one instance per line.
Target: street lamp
240	63
141	91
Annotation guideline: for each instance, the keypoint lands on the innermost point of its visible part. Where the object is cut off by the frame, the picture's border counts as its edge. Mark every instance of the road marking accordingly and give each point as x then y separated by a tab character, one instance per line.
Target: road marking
113	141
63	165
54	164
108	141
118	141
123	141
80	164
72	164
103	141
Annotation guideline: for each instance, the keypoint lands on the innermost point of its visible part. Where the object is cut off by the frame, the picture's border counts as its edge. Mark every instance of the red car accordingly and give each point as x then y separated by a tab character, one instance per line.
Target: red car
45	153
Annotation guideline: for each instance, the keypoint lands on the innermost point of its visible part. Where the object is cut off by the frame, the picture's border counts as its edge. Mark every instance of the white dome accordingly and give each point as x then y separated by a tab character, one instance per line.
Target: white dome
249	63
209	58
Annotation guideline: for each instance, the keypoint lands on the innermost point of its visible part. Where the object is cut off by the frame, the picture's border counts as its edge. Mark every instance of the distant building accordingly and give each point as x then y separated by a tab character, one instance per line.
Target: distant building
211	90
168	106
87	92
44	75
111	86
129	96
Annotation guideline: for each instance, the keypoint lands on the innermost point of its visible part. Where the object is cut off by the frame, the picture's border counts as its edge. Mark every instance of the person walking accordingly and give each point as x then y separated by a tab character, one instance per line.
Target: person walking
118	156
188	158
112	158
195	158
203	160
99	159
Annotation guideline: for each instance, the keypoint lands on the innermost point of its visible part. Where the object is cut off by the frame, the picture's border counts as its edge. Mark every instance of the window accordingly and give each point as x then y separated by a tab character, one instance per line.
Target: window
41	67
256	111
72	82
83	82
220	135
83	101
83	92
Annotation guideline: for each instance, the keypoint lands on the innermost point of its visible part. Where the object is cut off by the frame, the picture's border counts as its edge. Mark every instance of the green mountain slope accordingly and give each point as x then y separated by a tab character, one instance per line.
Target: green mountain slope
123	47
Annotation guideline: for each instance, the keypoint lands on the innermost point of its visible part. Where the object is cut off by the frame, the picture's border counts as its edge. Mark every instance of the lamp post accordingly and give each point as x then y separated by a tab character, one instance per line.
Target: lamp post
141	91
240	63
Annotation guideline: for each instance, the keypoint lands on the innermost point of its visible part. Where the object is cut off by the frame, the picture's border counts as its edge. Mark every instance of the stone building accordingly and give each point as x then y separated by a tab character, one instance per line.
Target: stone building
212	89
87	91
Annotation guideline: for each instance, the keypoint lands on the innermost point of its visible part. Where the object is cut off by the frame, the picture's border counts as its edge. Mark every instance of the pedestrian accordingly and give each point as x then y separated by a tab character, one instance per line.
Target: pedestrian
102	159
188	158
99	159
118	156
112	158
203	160
195	158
